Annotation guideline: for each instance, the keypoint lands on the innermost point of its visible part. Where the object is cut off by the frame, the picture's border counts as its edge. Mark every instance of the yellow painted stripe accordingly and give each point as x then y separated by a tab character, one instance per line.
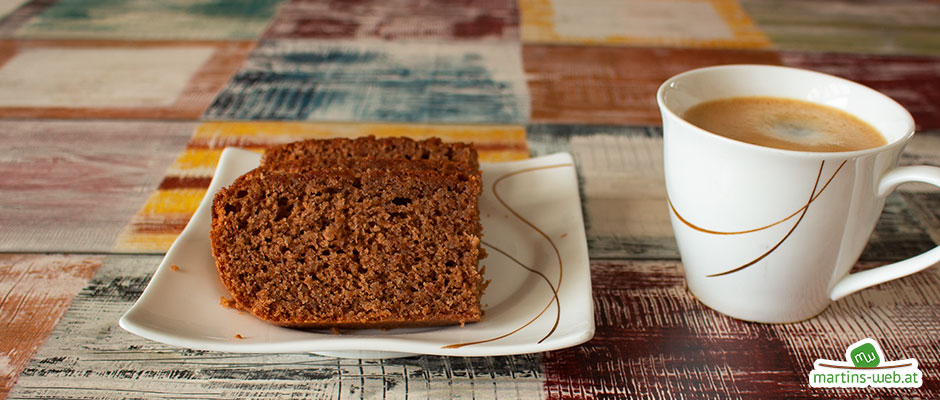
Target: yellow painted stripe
537	20
176	201
503	156
745	29
145	242
197	159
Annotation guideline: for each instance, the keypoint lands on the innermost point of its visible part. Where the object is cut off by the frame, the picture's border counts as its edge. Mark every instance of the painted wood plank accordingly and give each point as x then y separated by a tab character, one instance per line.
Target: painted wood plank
73	185
35	291
926	209
922	150
872	27
21	15
396	20
114	79
319	80
88	355
9	6
655	340
620	173
624	204
901	232
613	85
679	23
172	19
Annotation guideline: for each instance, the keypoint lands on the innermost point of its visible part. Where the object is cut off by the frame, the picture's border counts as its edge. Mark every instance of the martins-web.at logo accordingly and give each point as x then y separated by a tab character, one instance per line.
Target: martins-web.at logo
865	366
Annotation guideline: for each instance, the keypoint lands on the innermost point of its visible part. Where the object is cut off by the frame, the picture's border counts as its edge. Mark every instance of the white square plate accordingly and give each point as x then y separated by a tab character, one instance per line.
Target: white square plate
532	230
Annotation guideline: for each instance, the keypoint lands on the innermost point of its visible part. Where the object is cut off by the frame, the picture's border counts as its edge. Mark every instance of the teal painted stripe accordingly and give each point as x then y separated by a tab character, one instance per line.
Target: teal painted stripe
308	80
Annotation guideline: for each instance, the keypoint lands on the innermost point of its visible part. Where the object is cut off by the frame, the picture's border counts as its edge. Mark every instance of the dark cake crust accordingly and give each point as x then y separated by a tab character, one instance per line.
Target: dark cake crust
327	151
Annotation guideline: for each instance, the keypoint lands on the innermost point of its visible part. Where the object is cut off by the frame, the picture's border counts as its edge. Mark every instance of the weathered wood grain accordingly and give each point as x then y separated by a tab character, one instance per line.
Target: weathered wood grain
68	186
613	85
620	174
409	81
171	19
703	23
73	184
623	193
655	340
923	149
9	6
35	291
106	79
872	27
926	209
16	18
396	20
89	356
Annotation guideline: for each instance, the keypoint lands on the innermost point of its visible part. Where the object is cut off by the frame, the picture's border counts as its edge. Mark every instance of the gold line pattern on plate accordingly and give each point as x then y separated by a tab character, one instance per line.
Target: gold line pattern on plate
554	288
801	212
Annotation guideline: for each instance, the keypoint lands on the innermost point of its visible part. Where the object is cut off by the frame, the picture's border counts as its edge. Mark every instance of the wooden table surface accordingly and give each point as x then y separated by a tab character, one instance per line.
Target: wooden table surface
113	114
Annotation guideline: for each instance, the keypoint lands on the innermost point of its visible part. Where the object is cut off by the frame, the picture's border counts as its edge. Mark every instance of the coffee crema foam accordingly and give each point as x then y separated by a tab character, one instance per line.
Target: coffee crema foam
785	124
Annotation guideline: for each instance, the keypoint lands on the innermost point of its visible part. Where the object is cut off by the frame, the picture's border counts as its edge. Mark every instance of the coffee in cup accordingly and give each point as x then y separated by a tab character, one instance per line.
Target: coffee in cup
784	124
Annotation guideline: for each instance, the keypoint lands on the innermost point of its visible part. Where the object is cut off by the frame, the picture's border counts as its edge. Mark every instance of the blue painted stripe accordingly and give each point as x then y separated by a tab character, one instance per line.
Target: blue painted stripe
316	81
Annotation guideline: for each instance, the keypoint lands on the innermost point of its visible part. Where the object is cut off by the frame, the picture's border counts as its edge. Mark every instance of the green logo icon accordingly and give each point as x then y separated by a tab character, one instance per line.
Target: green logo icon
865	355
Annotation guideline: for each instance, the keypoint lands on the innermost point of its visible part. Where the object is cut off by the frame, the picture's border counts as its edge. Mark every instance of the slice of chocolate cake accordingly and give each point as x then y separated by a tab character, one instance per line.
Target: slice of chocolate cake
368	244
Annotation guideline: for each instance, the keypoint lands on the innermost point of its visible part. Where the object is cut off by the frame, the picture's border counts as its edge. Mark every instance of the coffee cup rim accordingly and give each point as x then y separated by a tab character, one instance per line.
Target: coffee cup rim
899	141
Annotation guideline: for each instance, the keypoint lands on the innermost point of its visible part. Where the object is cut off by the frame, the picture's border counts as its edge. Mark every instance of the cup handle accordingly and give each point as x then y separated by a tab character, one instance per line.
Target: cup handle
852	283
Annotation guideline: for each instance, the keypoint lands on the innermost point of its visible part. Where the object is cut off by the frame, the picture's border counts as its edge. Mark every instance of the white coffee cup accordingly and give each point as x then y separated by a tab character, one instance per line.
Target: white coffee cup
770	235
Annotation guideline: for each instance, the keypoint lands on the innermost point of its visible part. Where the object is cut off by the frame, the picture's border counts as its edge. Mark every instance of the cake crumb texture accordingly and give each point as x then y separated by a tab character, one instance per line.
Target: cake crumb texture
365	241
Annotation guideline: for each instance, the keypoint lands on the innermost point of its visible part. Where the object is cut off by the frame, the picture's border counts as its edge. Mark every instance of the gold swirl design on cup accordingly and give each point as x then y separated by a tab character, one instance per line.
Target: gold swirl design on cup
801	212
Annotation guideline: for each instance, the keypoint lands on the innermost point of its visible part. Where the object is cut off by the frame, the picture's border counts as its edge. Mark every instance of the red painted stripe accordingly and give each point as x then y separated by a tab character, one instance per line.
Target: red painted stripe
185	182
37	289
166	224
